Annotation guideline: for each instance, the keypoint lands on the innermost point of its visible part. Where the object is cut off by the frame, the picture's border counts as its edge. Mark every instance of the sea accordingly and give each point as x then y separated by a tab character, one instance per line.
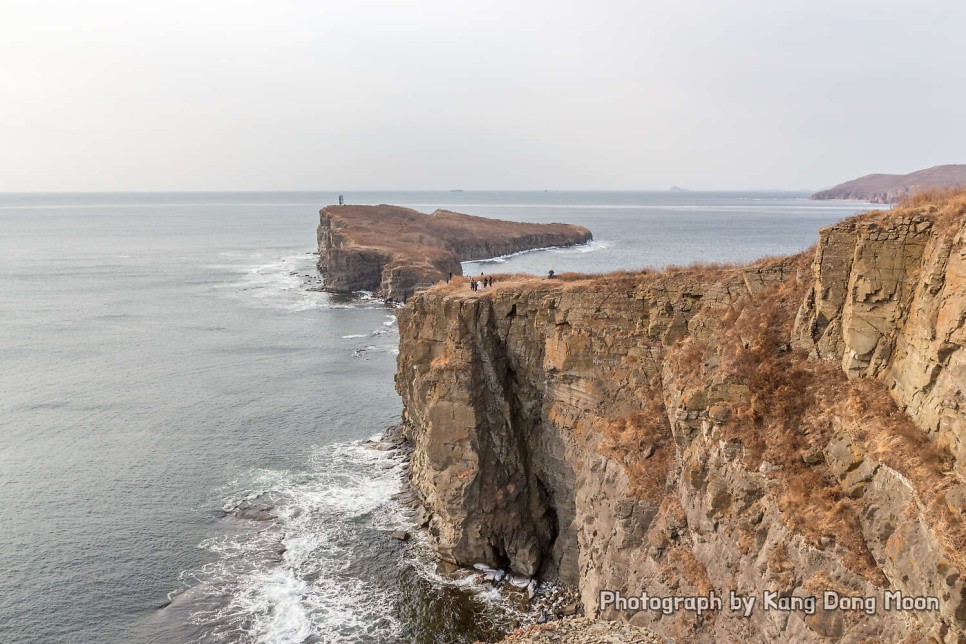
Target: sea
168	360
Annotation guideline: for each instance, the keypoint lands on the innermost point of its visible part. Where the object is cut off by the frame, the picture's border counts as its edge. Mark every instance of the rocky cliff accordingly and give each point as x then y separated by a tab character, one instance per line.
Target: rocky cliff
890	188
392	251
792	426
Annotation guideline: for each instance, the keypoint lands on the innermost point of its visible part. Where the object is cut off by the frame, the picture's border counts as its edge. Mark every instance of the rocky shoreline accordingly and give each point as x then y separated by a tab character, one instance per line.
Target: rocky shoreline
546	603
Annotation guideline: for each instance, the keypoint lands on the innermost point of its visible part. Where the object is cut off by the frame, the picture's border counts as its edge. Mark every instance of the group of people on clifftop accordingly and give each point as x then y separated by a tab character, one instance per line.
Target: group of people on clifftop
483	282
475	284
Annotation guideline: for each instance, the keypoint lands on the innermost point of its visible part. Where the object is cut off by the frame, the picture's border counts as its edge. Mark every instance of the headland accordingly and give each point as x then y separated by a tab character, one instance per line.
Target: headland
392	251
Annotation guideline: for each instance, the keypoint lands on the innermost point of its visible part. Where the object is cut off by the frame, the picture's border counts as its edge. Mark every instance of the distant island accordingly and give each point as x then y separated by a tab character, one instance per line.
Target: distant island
677	189
392	251
889	188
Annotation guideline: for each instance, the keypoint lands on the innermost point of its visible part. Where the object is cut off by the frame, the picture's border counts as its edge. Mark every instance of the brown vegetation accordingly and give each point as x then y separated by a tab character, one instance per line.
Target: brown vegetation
794	399
403	230
889	188
692	570
788	415
642	443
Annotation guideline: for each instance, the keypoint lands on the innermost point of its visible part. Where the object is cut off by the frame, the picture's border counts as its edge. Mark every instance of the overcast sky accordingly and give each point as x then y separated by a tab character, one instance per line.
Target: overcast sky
529	94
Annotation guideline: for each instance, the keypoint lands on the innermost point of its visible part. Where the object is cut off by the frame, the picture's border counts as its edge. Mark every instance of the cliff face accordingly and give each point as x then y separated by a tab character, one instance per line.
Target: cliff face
392	251
889	302
710	429
890	188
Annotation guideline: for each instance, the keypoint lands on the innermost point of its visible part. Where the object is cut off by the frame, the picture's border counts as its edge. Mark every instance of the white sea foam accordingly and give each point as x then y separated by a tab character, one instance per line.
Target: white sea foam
590	247
283	283
289	283
298	576
502	259
306	590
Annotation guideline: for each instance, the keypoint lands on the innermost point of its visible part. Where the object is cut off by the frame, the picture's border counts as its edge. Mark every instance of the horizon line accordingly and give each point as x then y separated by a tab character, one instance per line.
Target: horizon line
377	190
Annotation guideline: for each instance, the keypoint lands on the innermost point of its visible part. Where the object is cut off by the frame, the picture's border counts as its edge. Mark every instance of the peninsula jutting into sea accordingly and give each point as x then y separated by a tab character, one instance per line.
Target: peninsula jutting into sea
392	251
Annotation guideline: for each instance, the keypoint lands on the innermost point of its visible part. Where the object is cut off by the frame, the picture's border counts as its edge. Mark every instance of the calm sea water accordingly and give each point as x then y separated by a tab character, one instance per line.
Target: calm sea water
163	357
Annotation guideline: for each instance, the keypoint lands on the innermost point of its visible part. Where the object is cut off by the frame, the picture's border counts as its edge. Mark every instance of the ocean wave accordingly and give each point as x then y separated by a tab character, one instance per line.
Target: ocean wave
285	283
291	578
288	283
590	247
322	565
502	259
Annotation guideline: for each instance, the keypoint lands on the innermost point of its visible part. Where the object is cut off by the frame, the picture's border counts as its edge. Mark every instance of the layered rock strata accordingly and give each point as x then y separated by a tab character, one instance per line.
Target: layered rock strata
793	426
392	251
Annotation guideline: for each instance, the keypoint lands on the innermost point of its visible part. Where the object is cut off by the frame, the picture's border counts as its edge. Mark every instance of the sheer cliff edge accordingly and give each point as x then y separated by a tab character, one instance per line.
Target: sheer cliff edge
797	425
392	251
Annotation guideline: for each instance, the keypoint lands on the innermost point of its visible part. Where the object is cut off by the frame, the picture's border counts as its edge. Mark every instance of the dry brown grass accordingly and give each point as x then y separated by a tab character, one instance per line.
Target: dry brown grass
614	281
786	415
890	437
629	439
793	401
692	570
444	235
946	208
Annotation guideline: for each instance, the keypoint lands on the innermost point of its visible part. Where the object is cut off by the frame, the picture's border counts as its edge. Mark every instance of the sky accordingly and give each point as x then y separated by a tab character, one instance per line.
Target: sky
529	94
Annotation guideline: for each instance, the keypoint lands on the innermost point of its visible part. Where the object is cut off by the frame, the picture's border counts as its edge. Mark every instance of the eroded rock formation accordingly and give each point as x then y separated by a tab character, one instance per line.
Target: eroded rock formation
392	251
711	429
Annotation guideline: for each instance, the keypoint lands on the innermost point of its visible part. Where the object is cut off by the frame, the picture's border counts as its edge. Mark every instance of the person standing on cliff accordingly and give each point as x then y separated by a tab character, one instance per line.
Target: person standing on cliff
341	201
